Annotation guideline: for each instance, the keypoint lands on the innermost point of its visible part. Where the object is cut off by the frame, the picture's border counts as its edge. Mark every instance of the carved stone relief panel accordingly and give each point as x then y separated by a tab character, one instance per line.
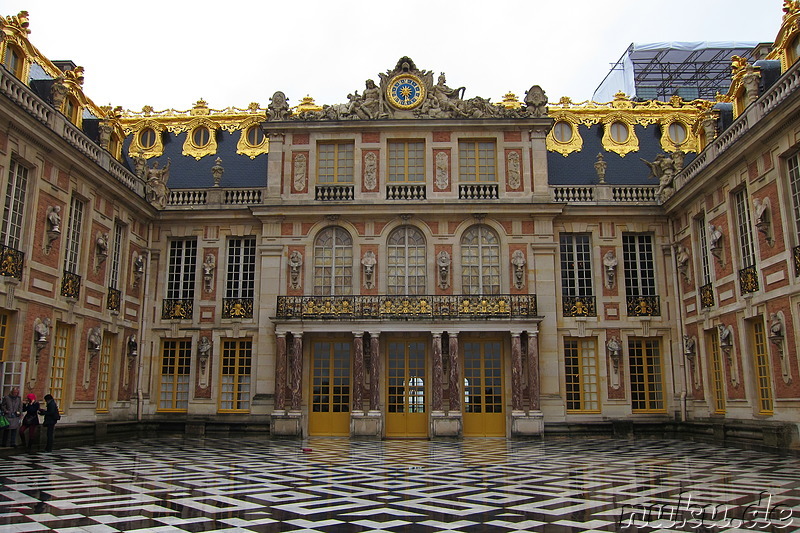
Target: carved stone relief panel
513	170
300	172
370	170
441	181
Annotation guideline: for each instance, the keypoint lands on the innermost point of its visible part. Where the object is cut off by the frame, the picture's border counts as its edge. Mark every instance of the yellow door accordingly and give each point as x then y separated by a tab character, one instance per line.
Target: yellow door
330	389
405	394
483	390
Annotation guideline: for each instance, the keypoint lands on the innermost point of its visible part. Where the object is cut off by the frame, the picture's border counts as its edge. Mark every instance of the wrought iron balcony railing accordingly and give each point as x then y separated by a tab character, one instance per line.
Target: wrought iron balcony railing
177	309
333	193
797	260
748	279
113	299
428	307
11	262
237	308
71	285
578	306
707	295
643	305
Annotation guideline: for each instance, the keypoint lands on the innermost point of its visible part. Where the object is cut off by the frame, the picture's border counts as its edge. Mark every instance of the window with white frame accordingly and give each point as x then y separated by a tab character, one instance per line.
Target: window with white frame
576	264
73	243
116	256
480	261
702	250
639	264
406	261
747	254
241	267
14	207
333	262
793	164
181	270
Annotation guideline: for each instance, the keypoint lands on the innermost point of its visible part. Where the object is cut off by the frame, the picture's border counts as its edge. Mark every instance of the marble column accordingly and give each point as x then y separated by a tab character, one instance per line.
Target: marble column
438	373
374	374
516	371
358	372
296	364
280	374
455	390
533	369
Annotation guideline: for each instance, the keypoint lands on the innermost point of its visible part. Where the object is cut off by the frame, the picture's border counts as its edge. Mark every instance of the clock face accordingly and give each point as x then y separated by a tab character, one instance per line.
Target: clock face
405	91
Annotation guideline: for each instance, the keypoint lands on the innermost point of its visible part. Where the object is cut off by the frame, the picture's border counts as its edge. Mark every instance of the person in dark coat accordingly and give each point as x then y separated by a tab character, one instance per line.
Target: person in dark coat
11	407
51	416
30	420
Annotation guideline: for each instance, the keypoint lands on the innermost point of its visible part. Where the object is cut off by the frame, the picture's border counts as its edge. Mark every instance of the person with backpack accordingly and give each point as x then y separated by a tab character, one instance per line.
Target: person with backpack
51	416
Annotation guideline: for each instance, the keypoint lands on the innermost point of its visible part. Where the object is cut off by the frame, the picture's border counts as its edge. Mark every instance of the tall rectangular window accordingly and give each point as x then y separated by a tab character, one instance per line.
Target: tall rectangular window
640	270
742	211
73	243
762	368
647	382
406	162
717	373
5	322
176	358
702	250
182	265
235	375
62	343
241	267
14	207
580	370
576	265
104	373
477	161
116	257
335	163
793	164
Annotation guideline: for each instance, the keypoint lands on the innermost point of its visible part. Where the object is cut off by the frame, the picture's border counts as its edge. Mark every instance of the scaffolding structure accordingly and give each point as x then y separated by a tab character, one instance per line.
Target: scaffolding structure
657	71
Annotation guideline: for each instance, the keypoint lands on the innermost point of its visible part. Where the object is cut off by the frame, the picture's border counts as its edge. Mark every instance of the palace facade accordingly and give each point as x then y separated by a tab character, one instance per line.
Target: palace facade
415	262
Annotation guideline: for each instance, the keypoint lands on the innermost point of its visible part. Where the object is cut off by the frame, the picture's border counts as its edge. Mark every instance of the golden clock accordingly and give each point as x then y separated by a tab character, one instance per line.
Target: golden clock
405	91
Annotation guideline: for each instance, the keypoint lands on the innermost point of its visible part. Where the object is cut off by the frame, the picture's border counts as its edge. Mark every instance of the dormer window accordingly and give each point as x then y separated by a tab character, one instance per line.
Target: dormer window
13	61
201	136
147	138
677	132
562	131
619	132
255	136
72	110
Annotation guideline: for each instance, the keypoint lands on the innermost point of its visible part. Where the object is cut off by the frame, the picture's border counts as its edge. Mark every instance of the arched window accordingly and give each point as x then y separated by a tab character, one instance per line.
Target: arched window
562	131
147	138
333	262
406	261
13	61
201	136
619	132
480	261
255	136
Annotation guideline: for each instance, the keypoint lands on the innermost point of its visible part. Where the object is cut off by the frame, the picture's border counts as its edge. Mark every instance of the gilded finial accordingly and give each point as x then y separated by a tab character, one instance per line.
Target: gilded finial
510	101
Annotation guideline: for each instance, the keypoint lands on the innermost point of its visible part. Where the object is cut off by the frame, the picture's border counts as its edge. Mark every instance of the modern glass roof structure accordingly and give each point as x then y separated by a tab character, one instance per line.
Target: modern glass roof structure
657	71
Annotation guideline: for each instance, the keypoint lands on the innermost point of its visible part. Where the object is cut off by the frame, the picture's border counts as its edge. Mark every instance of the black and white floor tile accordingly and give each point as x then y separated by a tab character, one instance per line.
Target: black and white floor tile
342	486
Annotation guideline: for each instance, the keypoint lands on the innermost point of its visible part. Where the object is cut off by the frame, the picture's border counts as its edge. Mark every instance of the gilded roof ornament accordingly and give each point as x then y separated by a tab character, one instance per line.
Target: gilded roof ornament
306	104
18	22
200	108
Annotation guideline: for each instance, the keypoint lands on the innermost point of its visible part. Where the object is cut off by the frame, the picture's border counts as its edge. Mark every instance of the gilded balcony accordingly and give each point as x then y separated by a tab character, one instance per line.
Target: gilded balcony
388	307
748	279
707	295
11	262
643	305
797	260
237	308
578	306
113	299
71	285
177	309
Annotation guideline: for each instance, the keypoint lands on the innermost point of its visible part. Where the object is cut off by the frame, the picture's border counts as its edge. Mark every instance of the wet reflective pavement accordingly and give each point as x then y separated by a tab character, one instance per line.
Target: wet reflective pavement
415	486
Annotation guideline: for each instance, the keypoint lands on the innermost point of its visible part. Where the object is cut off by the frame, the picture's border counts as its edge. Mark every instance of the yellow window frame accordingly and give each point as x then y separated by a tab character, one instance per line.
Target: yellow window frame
402	167
484	167
652	391
235	375
176	357
341	158
763	372
585	372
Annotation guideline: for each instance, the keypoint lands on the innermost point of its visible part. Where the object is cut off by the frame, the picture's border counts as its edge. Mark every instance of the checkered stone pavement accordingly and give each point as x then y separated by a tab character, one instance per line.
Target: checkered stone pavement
415	486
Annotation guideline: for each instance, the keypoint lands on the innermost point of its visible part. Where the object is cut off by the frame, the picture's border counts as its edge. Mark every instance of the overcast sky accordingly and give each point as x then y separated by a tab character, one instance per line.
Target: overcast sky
170	53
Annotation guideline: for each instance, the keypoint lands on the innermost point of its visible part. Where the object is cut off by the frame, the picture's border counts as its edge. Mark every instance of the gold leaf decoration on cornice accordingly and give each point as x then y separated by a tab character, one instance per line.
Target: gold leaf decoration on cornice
136	149
243	147
631	113
736	93
575	144
790	29
189	146
230	119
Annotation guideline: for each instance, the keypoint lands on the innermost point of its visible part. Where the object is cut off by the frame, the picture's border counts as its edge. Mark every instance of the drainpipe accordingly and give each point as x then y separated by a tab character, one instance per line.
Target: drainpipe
143	338
679	313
